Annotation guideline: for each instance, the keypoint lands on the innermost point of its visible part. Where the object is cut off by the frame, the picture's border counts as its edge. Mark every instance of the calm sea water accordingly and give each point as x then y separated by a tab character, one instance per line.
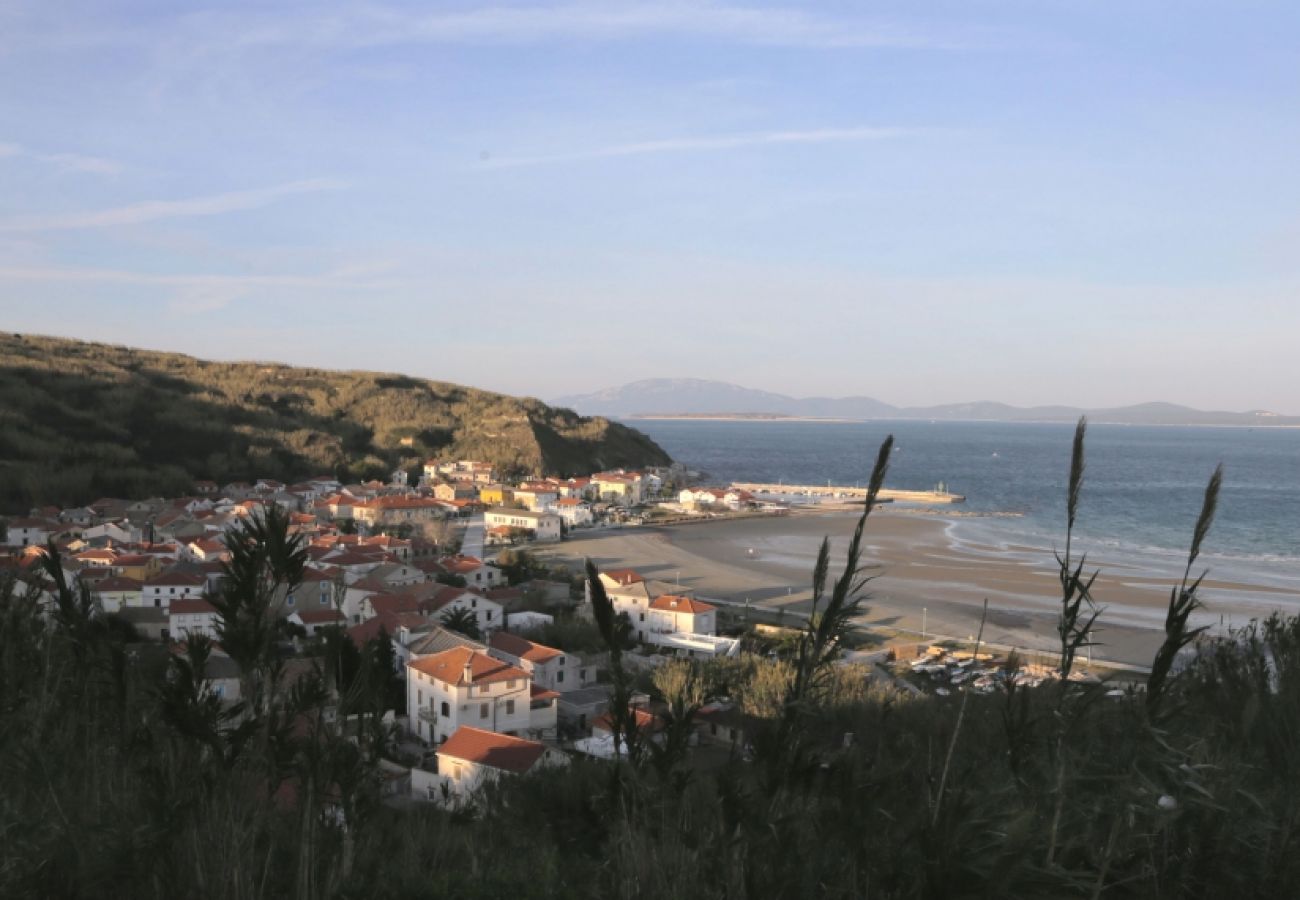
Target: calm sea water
1142	492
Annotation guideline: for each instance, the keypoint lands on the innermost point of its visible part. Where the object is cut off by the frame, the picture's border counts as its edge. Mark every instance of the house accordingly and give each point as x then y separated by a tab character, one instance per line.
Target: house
28	532
602	743
578	709
140	566
455	490
114	593
466	687
474	757
392	511
542	526
574	511
622	489
549	668
476	573
313	620
537	499
186	617
495	495
722	723
442	600
160	591
674	614
582	488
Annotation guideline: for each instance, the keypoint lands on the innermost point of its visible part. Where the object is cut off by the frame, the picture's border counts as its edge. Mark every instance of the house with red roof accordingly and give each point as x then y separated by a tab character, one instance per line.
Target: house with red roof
462	686
473	757
186	617
550	668
162	590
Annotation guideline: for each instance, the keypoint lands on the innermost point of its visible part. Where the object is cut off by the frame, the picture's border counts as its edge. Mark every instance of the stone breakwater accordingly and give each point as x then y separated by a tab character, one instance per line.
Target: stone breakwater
821	490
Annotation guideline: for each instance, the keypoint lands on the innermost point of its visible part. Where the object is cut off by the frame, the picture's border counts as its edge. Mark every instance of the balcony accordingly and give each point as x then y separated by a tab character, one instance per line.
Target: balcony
428	714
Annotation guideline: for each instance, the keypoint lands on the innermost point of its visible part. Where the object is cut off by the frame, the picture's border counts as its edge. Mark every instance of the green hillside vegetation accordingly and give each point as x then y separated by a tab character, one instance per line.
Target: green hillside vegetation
83	420
123	777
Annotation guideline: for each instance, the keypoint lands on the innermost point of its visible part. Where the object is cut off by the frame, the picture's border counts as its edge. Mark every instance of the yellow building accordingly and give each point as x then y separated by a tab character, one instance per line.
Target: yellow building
495	495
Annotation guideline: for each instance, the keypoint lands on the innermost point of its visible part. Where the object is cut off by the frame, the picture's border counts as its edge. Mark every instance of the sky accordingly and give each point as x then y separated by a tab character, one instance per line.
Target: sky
1087	202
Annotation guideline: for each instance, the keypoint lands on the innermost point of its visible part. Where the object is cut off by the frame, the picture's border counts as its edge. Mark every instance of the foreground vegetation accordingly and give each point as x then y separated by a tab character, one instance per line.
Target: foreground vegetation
82	420
121	782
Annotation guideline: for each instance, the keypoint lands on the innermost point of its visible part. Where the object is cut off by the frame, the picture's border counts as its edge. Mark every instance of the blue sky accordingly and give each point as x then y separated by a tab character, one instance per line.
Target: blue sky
1059	201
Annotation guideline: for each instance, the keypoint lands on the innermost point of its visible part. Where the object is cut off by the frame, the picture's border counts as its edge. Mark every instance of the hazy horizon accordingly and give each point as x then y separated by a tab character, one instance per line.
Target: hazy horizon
989	201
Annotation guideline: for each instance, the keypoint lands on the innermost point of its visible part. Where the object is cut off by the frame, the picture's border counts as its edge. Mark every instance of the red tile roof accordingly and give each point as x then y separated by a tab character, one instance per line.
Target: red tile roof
674	603
320	616
624	576
496	751
522	648
449	666
178	579
541	693
190	607
113	585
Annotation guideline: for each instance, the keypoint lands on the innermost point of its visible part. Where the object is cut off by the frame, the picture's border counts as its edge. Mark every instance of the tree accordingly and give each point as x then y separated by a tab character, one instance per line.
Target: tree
266	566
463	621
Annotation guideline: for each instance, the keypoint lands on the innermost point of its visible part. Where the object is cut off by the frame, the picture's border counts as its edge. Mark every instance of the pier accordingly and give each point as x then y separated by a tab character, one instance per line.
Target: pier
853	493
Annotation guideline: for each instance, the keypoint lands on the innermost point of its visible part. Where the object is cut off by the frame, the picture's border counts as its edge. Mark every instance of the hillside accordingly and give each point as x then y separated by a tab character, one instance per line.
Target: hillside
82	420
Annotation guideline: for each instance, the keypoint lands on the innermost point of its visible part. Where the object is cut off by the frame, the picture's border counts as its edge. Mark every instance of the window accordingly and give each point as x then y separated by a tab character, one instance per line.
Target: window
473	604
510	685
446	709
510	707
642	617
324	600
489	615
559	676
419	698
482	710
288	601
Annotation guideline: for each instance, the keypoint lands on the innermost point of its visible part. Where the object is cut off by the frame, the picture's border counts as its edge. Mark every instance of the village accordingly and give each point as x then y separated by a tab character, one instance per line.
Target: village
419	565
436	569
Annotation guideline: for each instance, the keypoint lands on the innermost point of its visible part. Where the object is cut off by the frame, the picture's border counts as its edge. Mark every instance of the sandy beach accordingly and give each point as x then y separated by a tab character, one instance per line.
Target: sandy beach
925	575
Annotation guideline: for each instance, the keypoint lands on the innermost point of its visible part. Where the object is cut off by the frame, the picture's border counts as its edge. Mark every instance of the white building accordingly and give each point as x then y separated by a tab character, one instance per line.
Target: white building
465	687
168	587
186	617
549	668
544	526
575	512
473	757
673	614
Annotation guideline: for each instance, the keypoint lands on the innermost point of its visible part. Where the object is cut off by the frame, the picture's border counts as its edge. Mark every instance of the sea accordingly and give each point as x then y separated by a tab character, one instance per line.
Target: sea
1143	485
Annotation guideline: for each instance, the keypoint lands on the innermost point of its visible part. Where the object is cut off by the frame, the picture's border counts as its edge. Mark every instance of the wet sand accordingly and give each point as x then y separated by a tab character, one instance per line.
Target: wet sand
924	575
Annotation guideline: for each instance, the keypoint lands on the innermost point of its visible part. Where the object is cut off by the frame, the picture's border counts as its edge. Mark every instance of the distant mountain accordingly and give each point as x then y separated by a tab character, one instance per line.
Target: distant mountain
698	397
695	396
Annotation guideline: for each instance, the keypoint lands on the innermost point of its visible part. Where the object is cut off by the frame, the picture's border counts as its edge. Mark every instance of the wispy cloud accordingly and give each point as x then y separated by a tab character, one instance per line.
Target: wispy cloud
364	25
200	292
703	144
73	162
138	213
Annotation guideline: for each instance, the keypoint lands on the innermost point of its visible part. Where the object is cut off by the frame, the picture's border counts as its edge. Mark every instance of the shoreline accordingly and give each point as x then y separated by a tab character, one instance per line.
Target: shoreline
926	577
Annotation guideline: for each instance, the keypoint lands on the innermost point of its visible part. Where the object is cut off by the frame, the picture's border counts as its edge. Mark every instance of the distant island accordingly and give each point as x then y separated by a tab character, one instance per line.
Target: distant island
693	398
